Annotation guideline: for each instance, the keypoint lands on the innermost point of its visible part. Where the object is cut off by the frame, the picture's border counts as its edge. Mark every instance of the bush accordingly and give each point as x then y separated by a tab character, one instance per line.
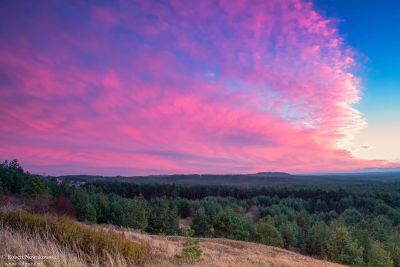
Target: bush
63	205
191	251
89	240
232	225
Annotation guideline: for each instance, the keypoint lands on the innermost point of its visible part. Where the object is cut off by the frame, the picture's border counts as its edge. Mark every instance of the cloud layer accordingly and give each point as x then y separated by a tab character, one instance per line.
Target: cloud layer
138	87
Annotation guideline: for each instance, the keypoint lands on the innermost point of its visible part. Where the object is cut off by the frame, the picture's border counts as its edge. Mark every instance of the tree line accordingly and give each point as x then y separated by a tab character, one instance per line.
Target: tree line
357	225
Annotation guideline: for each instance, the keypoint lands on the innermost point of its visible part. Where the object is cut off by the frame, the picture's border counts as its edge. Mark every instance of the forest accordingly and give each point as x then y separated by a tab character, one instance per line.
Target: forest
355	223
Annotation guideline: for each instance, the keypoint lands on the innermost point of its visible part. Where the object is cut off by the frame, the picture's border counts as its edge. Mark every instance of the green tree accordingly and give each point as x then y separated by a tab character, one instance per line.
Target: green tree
317	239
201	224
378	256
171	226
267	233
102	206
85	210
379	228
117	215
231	225
184	207
351	217
35	186
394	248
2	191
321	206
139	213
250	228
211	208
342	248
163	217
90	213
191	251
361	233
291	234
13	177
157	216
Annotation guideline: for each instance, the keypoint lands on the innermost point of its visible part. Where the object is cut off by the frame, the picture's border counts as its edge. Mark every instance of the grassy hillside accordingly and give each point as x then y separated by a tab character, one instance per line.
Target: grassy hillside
224	252
63	242
24	233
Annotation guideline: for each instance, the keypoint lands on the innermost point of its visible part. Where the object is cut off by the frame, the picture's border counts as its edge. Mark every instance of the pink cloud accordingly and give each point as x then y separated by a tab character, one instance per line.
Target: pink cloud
149	87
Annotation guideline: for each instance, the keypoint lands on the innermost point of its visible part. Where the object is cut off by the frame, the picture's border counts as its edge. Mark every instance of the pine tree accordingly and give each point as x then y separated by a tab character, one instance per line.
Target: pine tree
163	217
200	224
317	239
139	213
2	191
102	206
378	256
394	248
290	233
171	226
35	186
117	215
157	218
267	233
231	225
85	210
342	248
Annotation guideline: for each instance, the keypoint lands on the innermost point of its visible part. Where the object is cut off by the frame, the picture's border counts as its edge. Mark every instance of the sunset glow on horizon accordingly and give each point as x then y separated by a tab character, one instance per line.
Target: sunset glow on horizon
151	87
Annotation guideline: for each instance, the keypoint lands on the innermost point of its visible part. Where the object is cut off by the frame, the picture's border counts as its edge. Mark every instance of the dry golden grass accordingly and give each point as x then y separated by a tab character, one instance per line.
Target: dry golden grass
21	240
216	252
92	244
223	253
16	243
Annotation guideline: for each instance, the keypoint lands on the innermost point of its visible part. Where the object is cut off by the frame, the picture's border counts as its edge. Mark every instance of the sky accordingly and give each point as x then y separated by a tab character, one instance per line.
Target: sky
154	87
372	29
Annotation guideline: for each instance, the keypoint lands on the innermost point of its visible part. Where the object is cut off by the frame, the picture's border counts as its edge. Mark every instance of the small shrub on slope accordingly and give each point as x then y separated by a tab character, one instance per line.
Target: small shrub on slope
191	251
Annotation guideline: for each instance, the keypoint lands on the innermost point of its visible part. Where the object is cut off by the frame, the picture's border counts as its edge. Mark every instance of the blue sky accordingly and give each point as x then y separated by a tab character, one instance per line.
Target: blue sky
372	28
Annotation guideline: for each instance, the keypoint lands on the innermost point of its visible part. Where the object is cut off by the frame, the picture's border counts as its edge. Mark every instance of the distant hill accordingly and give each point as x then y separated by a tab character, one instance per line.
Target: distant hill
273	174
257	179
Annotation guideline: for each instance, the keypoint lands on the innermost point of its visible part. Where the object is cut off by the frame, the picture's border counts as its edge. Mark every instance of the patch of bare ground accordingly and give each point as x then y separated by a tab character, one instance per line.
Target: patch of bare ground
223	252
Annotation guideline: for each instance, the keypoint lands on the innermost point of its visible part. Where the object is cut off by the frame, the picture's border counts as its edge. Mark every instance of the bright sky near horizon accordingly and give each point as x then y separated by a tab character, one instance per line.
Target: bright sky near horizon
372	28
149	87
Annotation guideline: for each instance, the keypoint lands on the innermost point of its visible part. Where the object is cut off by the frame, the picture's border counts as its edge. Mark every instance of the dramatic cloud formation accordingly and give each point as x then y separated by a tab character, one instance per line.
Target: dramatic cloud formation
140	87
